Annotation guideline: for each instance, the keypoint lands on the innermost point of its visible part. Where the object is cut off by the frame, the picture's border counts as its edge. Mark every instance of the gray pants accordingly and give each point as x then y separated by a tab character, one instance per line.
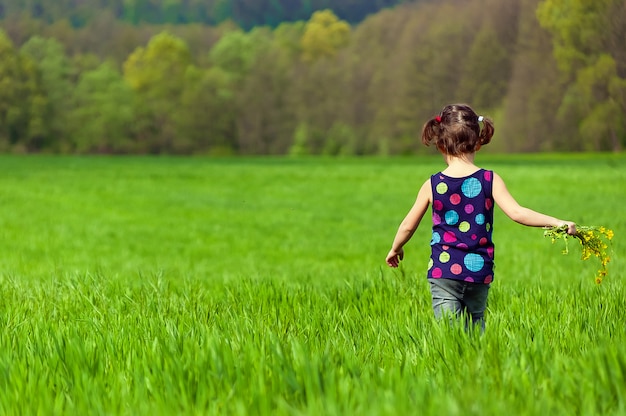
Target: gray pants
458	299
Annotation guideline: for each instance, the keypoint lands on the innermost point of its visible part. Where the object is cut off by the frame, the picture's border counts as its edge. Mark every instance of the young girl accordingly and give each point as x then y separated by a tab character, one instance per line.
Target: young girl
462	197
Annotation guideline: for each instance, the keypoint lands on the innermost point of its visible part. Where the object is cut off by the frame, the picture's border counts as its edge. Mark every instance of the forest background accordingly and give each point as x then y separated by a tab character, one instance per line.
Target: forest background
349	77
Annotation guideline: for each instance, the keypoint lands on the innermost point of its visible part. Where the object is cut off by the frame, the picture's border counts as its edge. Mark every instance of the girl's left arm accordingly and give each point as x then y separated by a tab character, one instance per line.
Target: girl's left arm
409	224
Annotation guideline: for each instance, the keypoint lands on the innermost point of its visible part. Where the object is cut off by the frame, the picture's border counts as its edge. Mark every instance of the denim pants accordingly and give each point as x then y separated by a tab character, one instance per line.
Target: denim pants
458	299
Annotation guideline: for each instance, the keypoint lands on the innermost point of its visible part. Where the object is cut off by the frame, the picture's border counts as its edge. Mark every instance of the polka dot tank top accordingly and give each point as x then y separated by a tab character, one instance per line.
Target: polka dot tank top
462	211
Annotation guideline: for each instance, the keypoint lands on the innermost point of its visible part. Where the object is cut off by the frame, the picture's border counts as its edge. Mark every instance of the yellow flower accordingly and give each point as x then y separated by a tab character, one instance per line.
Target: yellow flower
591	241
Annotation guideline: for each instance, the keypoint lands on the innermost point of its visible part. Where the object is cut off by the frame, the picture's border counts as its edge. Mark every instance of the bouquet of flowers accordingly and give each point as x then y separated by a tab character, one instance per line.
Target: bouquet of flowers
594	241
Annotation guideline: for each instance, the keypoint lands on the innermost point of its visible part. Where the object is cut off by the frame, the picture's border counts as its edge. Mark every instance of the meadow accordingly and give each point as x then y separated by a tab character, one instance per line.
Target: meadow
257	286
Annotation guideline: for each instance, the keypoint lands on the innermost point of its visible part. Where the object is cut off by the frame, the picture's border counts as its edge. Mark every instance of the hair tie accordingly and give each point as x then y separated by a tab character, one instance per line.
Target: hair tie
480	118
438	119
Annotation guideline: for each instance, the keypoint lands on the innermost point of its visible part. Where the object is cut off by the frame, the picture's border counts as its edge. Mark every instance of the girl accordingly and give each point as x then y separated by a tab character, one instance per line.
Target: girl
462	197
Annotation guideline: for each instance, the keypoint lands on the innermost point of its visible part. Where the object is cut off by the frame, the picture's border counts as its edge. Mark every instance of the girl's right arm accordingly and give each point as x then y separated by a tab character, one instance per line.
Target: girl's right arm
523	215
409	225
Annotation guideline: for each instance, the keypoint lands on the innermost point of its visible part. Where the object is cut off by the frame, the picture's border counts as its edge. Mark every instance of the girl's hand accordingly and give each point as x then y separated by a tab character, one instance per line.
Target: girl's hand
394	257
571	227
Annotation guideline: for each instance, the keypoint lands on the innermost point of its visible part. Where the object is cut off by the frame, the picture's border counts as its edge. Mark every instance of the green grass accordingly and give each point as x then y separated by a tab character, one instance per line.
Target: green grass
257	286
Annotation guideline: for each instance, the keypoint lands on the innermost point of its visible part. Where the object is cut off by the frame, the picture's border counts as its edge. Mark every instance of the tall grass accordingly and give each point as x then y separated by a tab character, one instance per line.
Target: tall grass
195	286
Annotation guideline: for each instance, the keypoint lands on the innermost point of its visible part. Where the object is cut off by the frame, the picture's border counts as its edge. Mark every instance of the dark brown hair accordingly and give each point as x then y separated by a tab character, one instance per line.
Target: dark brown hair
456	130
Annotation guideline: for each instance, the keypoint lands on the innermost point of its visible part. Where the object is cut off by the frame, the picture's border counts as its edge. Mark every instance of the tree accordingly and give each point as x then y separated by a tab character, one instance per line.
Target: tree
486	73
206	122
103	112
324	34
586	56
529	114
598	95
55	69
234	53
287	36
378	52
22	103
157	75
420	80
265	118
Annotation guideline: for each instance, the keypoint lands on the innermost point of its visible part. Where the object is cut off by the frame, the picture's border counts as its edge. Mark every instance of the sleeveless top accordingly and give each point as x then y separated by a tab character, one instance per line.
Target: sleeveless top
462	213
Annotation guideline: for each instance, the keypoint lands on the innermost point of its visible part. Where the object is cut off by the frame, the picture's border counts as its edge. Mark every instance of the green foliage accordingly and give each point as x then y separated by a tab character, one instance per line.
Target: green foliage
235	53
164	59
287	36
300	146
487	60
104	110
56	71
577	28
602	122
529	113
221	89
207	120
340	141
584	52
324	35
22	103
265	99
157	75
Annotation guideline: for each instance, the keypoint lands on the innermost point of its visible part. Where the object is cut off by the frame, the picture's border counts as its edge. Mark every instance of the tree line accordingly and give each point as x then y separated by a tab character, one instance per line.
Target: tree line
552	77
245	13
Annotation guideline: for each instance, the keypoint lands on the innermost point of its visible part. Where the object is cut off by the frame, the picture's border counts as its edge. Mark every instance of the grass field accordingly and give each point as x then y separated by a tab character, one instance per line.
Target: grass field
257	286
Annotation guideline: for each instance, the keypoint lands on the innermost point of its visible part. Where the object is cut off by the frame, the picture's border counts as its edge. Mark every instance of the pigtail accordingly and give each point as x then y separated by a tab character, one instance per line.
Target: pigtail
486	133
431	131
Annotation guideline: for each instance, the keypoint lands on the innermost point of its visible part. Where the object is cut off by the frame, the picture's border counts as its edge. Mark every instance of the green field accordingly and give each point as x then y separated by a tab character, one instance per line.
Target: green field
163	285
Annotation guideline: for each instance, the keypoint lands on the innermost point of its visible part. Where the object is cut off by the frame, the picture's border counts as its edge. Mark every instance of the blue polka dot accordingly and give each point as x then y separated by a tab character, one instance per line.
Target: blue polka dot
436	239
471	187
480	219
452	217
474	262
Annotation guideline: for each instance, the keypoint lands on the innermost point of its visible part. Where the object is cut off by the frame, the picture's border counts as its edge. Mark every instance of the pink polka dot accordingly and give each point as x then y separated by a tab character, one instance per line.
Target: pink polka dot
455	199
437	273
488	279
487	176
462	245
469	208
490	251
488	203
438	205
483	241
445	247
469	279
474	236
436	219
456	269
449	237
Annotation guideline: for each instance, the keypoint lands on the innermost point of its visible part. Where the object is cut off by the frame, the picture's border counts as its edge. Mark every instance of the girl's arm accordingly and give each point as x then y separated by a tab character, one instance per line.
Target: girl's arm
410	224
521	214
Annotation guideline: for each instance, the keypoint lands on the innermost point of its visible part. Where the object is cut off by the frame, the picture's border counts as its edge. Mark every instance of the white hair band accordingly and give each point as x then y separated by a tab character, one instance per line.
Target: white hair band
480	118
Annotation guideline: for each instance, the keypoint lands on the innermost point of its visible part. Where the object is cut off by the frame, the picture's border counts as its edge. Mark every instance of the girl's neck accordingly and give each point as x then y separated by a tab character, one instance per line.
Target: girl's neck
462	165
